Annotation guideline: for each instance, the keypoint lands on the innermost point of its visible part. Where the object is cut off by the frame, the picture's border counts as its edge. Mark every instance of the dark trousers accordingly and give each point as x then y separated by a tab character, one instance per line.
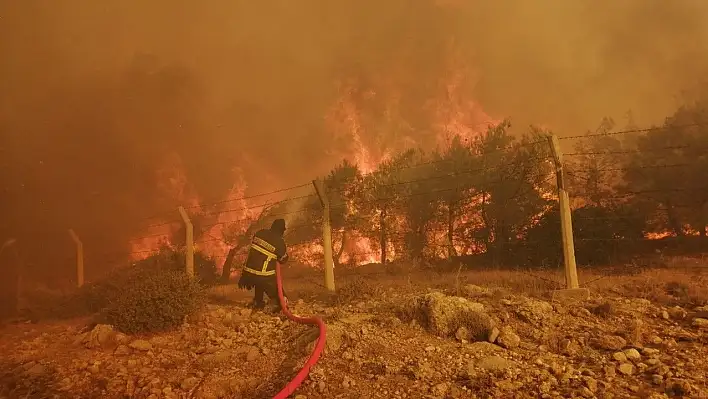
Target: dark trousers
269	286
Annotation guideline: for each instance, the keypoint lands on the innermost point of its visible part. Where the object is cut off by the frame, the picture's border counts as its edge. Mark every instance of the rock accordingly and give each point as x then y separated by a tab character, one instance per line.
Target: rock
635	332
568	347
678	313
608	342
591	384
508	338
484	347
700	323
462	334
491	363
189	383
626	368
252	354
604	309
632	354
665	315
649	351
335	339
493	335
122	350
657	379
36	370
535	311
122	339
101	336
141	345
348	382
620	357
441	389
444	315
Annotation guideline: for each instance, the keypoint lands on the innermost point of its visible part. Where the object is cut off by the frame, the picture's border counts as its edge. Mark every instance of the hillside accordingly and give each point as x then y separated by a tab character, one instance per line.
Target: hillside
638	336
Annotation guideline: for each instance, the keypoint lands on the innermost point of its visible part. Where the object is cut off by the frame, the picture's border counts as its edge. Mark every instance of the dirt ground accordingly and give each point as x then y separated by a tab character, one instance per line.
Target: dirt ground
642	334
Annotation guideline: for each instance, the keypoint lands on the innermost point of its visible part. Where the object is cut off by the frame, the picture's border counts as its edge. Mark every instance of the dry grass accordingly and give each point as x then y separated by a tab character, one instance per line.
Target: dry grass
678	281
672	281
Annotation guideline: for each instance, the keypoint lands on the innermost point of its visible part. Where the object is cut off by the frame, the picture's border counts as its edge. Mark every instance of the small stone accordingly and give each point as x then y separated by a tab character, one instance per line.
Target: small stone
252	354
462	334
678	313
189	383
632	354
608	342
657	379
591	384
626	368
122	350
493	335
649	351
441	389
700	323
508	339
653	361
665	315
141	345
619	356
587	393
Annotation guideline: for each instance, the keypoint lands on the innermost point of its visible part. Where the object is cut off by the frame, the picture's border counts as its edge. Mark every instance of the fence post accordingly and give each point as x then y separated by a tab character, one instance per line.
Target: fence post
189	242
571	272
79	258
326	234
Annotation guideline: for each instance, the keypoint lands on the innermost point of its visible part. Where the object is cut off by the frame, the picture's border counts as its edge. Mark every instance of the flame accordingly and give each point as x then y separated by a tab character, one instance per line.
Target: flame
454	114
345	122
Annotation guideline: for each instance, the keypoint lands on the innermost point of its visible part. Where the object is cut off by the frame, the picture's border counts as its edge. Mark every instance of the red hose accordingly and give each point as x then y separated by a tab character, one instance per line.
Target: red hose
290	388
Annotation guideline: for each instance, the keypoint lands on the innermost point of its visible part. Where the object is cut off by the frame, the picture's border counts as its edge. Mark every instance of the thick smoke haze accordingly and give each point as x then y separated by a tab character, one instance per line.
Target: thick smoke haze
102	101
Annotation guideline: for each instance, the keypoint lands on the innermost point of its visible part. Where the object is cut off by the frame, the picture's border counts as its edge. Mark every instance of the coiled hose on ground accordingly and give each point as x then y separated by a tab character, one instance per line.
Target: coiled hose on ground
290	387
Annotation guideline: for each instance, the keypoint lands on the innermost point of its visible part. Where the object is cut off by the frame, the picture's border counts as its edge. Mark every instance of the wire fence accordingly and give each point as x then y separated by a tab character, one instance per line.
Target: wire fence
482	204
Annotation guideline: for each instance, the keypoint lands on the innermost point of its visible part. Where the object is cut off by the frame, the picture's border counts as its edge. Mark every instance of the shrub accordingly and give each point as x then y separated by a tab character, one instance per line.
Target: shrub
172	259
154	300
357	289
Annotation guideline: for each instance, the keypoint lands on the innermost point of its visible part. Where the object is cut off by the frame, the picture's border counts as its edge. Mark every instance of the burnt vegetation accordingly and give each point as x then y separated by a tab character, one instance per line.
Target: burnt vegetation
492	200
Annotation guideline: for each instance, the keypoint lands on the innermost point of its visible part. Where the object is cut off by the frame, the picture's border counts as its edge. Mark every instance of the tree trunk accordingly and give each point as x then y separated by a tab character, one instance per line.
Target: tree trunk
450	232
382	241
487	224
674	223
338	255
226	268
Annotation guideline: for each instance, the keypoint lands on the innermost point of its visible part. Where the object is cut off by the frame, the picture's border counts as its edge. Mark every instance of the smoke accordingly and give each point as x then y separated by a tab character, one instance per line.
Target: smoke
95	95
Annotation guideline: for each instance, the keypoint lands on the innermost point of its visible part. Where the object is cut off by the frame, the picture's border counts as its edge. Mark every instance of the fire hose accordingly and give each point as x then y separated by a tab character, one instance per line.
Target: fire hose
290	387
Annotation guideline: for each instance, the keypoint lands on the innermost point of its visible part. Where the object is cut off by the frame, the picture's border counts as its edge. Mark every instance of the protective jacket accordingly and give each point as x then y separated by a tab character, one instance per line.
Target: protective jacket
267	247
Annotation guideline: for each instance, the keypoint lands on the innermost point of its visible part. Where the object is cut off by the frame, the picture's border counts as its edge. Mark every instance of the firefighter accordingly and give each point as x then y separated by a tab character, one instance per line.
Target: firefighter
267	247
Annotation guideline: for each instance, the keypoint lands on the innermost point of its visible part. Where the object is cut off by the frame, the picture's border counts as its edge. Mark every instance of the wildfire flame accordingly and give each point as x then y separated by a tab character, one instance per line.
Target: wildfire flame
456	115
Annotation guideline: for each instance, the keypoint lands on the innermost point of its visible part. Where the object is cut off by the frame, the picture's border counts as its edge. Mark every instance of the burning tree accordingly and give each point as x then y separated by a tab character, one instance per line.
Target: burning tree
668	171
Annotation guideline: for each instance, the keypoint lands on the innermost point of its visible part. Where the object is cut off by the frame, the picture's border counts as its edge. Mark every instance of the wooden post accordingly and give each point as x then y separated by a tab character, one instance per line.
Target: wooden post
326	234
189	242
571	272
79	258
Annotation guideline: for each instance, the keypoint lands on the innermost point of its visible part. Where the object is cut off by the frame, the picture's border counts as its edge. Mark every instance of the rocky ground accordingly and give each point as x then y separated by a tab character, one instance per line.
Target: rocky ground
472	341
